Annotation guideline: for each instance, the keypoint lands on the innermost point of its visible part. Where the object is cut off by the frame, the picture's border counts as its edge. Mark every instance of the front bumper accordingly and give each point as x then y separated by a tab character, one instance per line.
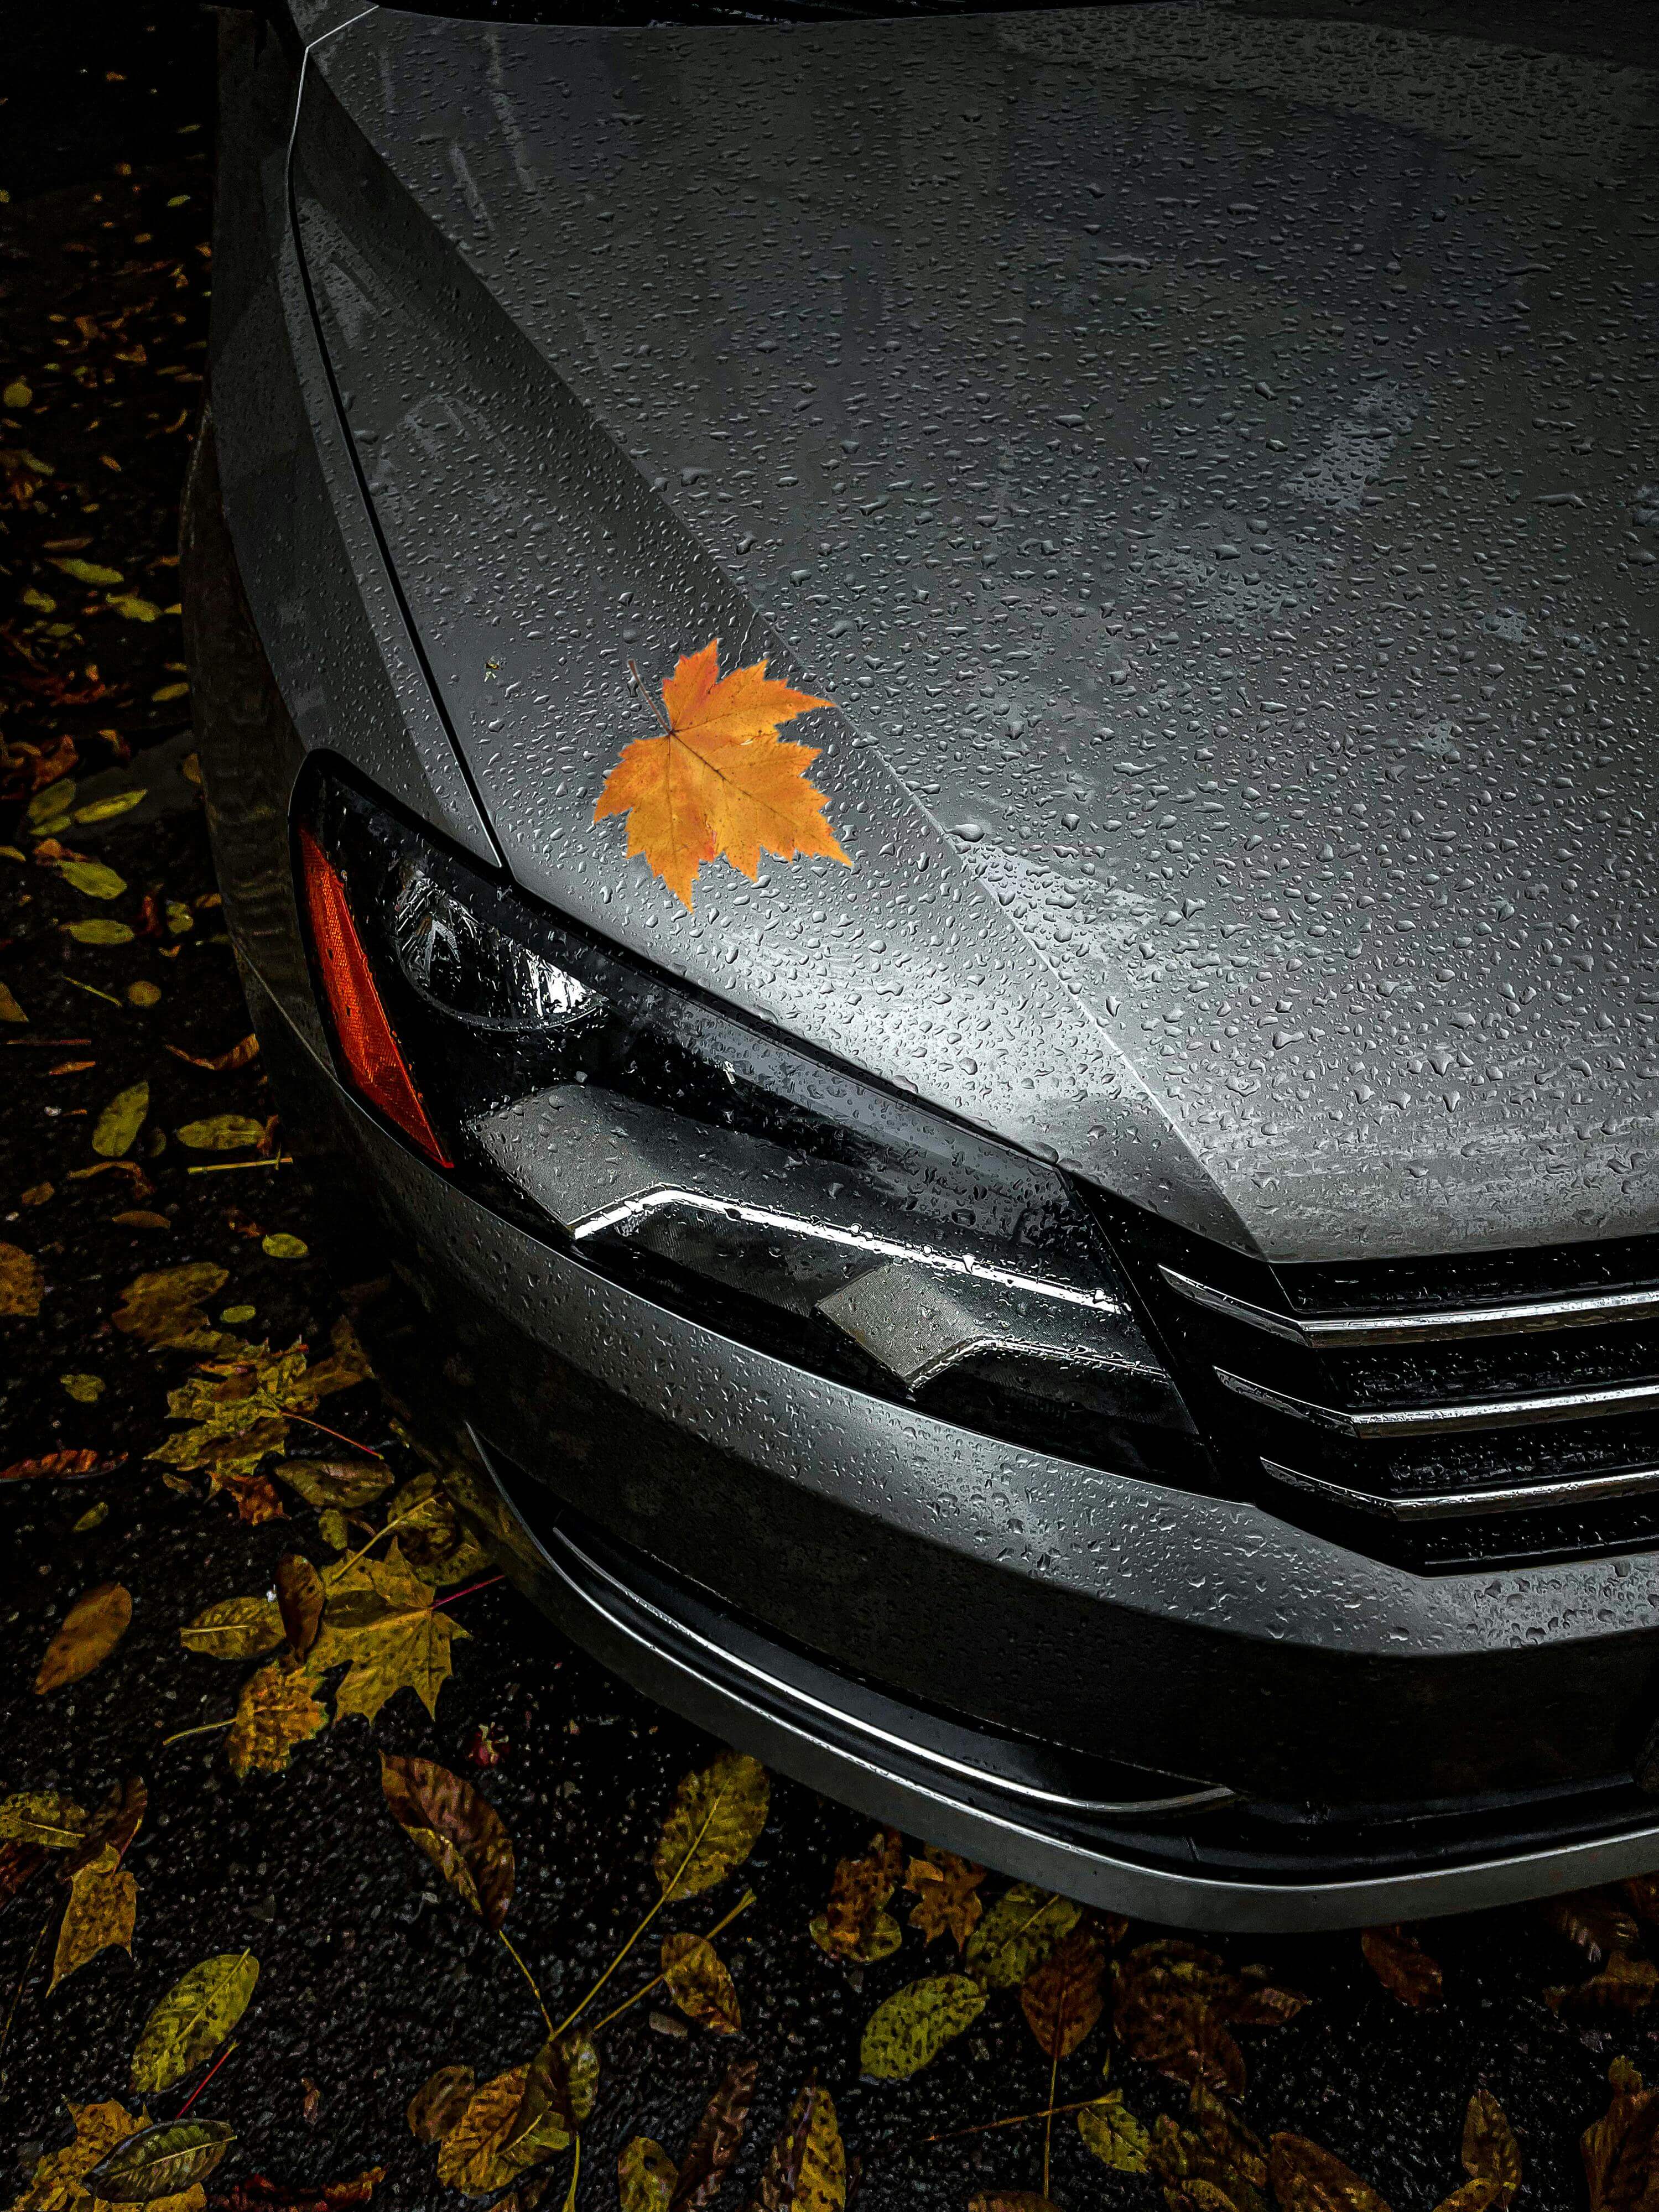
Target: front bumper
1172	1705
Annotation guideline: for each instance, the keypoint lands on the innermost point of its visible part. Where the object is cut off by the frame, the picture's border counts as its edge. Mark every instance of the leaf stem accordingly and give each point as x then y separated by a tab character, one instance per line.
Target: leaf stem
236	1167
206	2077
512	1954
742	1905
1015	2120
576	2168
668	1889
208	1727
337	1572
350	1443
455	1597
639	685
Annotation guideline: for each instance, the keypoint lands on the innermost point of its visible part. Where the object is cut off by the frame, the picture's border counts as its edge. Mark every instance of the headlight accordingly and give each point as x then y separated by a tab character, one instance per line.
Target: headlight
717	1168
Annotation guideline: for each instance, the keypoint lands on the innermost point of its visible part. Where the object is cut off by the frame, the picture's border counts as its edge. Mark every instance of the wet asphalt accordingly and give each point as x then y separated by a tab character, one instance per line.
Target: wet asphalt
373	1973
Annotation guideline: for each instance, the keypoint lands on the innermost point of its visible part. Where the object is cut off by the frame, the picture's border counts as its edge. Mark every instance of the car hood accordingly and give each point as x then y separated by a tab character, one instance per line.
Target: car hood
1201	459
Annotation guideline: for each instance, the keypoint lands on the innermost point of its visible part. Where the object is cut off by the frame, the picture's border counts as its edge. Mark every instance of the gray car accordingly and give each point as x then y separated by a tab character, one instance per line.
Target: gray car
1089	1287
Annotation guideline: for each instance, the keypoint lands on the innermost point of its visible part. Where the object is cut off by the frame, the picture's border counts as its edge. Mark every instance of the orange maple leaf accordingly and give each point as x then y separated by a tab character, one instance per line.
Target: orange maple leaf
719	779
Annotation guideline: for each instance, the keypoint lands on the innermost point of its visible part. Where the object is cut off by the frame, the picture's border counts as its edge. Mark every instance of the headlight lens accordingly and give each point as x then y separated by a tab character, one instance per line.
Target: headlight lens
717	1167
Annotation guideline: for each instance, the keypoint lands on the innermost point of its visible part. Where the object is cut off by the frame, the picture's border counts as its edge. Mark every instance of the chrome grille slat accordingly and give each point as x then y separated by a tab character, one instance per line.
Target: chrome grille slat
1445	1325
1464	1505
1437	1420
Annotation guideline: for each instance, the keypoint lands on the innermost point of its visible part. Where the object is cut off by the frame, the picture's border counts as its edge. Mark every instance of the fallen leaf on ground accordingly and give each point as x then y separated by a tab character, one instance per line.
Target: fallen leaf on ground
1012	2200
720	779
854	1925
118	1125
645	2176
62	1466
221	1133
239	1055
1111	2131
58	2182
346	1485
1620	2151
947	1898
41	1817
192	2020
459	1830
274	1711
1490	2151
1593	1921
440	2101
298	1601
92	878
234	1628
1018	1934
102	1903
915	2023
699	1983
714	1824
716	2139
91	1629
380	1618
1624	1985
1307	2177
162	1309
9	1009
1401	1964
19	1283
1062	1999
161	2161
494	2140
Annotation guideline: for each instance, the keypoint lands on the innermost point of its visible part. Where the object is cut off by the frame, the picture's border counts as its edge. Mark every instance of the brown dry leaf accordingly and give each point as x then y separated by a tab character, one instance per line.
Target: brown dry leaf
1641	1893
1624	1985
259	2195
62	1466
163	1309
946	1890
1204	2169
1236	2147
1403	1966
1062	1999
1012	2200
19	1283
468	2155
274	1711
239	1055
1592	1920
700	1984
720	779
103	1900
805	2170
1469	2196
1491	2153
1621	2150
712	1824
380	1618
91	1629
1165	2019
854	1925
336	1485
1307	2177
298	1601
716	2139
440	2101
459	1831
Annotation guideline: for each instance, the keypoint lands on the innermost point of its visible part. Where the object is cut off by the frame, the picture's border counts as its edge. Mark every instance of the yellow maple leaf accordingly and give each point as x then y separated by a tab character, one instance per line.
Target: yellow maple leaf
274	1711
719	779
379	1617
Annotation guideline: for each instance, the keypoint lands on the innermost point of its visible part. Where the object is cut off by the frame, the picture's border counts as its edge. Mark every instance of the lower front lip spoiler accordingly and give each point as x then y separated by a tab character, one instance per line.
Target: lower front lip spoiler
907	1769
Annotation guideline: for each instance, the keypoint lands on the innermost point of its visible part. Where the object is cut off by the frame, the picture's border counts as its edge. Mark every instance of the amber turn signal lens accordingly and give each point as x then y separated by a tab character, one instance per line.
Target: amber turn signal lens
364	1035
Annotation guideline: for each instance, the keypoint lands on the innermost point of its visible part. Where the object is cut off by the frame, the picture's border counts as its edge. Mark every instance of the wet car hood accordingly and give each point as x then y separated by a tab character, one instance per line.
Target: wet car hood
1203	459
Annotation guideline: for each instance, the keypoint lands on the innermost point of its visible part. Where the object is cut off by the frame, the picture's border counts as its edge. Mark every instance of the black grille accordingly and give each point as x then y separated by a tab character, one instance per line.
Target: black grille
1446	1414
